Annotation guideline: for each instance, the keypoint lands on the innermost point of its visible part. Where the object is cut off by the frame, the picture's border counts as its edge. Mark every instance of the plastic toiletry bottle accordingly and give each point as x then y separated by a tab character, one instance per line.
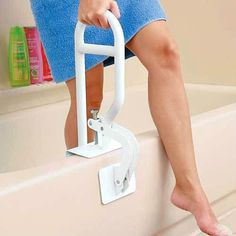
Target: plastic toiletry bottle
47	75
18	59
35	56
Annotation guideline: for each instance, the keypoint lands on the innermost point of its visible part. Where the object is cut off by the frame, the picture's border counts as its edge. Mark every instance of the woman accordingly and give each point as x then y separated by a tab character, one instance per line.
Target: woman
147	36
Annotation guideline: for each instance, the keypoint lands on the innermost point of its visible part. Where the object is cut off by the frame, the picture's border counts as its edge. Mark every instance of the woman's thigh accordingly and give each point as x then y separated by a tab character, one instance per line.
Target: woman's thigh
153	44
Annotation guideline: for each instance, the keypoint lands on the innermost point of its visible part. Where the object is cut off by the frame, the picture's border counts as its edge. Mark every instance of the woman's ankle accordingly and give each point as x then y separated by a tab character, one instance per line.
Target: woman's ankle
189	185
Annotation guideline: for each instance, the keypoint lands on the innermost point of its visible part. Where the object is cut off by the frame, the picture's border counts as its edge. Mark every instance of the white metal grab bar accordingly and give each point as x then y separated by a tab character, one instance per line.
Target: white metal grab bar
116	180
118	52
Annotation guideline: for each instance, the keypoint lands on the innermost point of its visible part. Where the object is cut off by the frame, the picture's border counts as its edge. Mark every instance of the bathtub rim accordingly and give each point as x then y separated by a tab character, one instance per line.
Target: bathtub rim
73	163
22	98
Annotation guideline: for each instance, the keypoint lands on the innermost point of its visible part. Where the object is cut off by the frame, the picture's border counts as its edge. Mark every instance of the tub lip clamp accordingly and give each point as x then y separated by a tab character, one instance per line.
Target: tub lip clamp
130	149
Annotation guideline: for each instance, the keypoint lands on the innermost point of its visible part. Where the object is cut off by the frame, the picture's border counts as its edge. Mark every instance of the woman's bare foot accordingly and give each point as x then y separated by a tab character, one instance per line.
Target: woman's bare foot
195	201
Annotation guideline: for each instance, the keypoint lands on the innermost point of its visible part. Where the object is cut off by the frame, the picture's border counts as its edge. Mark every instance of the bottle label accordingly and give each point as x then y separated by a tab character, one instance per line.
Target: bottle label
20	61
33	54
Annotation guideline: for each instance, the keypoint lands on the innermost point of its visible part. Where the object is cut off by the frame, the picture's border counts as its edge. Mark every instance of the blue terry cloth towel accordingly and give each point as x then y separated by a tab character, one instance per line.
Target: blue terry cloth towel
56	21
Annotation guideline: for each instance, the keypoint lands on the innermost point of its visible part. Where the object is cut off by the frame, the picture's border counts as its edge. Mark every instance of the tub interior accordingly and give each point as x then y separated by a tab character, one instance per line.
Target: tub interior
35	137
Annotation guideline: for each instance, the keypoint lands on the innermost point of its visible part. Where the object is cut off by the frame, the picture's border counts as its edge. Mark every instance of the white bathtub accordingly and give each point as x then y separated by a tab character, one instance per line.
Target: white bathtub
41	193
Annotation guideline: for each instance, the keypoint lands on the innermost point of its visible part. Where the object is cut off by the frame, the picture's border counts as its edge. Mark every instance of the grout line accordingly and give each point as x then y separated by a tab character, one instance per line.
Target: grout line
227	214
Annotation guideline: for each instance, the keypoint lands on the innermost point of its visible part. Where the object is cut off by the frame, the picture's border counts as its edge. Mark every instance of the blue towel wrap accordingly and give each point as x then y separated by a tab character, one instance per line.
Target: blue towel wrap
56	22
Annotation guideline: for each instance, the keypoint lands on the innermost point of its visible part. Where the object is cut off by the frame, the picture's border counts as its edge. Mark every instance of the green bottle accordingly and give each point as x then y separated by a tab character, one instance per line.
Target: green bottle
18	58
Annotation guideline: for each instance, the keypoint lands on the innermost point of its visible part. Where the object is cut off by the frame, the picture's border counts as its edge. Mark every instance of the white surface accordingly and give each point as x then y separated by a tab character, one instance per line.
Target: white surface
40	149
107	187
91	151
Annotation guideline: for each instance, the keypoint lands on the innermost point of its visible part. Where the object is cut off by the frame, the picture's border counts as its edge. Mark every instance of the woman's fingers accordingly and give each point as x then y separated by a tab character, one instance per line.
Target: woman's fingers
115	9
92	19
87	19
84	18
103	21
94	13
98	19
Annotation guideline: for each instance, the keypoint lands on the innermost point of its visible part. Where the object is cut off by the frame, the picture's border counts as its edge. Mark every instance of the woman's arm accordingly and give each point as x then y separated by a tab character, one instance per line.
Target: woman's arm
91	12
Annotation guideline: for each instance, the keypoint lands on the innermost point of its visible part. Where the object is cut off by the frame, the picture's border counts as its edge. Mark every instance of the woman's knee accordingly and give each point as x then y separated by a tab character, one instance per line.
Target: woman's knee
164	54
155	46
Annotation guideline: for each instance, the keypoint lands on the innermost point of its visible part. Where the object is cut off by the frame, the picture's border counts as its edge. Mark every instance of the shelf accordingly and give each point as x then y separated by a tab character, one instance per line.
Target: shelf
28	88
18	98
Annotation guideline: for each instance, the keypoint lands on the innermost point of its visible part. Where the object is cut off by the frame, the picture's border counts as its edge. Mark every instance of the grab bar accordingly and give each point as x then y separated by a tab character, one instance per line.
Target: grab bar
118	52
116	180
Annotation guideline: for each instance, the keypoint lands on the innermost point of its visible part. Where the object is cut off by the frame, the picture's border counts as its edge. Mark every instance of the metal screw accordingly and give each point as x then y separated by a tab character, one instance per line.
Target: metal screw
94	112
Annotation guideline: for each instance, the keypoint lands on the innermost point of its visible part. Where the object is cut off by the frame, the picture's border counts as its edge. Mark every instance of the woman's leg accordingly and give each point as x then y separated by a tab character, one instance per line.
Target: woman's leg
94	94
158	52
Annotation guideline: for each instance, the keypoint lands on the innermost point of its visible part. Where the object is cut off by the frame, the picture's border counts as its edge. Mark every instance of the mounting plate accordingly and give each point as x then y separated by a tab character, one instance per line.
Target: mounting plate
107	186
91	150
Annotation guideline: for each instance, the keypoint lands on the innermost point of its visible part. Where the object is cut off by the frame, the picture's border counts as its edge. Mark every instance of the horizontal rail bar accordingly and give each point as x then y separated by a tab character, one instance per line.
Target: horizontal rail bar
97	49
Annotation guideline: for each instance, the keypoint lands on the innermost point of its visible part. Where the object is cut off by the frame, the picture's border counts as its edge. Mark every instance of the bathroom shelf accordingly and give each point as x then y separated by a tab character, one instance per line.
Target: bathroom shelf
18	98
31	87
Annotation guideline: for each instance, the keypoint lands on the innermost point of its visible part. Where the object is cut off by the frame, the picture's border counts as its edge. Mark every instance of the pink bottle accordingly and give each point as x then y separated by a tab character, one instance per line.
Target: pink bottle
35	56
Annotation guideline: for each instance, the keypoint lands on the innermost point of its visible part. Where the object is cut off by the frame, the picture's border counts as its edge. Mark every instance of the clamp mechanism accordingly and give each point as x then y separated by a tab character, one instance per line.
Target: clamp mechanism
107	132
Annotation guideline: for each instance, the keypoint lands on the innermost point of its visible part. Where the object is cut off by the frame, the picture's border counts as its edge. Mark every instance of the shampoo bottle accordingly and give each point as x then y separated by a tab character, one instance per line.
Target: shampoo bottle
18	58
35	56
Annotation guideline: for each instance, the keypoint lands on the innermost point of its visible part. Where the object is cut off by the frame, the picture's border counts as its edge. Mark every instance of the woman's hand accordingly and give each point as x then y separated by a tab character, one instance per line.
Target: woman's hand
92	12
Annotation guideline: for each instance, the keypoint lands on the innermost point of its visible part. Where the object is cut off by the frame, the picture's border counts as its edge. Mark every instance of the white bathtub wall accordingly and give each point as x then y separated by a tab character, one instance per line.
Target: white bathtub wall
68	201
32	137
204	30
35	136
